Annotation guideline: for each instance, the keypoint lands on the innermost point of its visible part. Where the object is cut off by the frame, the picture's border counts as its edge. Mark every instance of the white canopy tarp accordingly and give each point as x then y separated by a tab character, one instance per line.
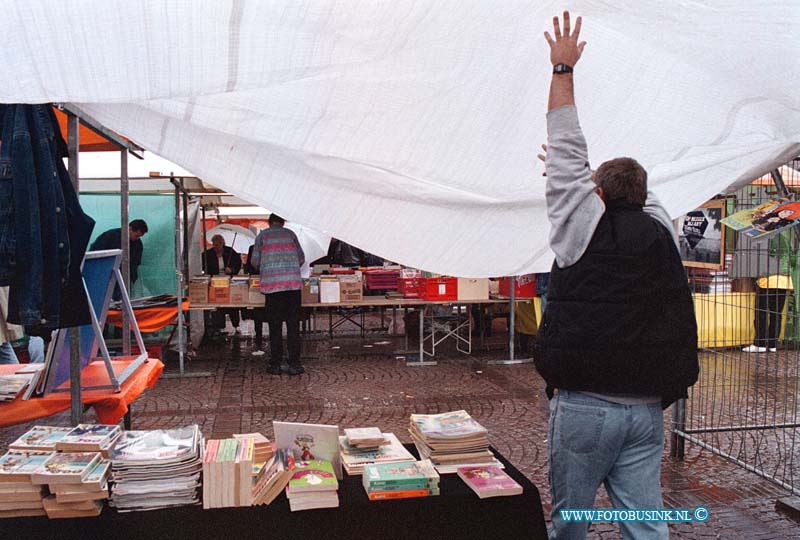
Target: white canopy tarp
410	128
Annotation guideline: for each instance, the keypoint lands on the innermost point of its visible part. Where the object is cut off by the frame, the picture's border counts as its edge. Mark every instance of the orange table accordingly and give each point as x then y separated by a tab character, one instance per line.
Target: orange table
150	319
110	406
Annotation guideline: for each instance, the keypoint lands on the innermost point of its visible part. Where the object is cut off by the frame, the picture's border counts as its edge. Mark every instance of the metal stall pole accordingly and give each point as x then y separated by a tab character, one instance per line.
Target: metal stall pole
185	199
511	330
125	244
677	440
203	258
76	403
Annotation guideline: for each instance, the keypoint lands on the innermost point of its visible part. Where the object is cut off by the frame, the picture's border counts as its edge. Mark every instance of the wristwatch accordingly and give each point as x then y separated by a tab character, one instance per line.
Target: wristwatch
562	68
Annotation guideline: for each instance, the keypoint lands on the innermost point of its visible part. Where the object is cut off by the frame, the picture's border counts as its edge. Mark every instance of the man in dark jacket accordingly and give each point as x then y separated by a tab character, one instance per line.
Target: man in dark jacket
221	259
618	339
112	239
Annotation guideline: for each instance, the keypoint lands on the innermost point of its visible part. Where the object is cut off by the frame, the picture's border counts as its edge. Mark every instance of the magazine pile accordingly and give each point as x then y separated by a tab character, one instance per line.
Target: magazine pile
157	468
451	440
407	479
22	382
354	459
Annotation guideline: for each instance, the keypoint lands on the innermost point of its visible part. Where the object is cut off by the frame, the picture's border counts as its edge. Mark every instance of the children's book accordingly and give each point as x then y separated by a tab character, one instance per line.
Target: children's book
315	475
489	481
309	442
455	424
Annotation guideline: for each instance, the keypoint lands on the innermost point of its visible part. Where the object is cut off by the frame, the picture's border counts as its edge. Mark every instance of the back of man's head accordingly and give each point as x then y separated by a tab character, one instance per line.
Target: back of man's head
139	225
622	179
276	221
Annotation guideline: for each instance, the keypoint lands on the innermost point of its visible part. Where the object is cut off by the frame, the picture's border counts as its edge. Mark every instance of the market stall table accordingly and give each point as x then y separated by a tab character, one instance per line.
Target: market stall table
456	514
110	406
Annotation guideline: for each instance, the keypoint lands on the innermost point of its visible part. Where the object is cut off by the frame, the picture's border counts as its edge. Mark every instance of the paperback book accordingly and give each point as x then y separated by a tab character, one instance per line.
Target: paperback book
42	438
309	442
65	468
87	437
489	481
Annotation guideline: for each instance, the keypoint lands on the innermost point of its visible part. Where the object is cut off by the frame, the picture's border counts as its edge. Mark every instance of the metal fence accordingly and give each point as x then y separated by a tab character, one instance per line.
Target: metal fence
744	406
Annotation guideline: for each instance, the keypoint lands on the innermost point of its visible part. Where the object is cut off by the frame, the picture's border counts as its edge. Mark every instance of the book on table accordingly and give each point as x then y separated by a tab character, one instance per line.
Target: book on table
309	442
94	486
407	479
18	465
279	474
489	481
312	485
42	438
66	468
12	385
366	437
88	438
354	459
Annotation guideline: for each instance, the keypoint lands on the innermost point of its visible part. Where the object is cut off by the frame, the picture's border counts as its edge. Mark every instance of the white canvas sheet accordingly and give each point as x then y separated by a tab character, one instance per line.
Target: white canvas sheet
410	128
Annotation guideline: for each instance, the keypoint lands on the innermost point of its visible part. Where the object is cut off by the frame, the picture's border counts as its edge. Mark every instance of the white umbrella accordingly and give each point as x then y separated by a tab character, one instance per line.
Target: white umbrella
236	237
314	243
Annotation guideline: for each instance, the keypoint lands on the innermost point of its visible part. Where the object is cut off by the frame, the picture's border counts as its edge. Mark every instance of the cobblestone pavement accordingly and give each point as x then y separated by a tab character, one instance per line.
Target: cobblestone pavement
352	381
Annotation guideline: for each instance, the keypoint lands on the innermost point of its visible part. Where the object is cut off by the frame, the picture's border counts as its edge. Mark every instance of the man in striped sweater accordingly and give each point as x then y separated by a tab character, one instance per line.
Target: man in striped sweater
278	256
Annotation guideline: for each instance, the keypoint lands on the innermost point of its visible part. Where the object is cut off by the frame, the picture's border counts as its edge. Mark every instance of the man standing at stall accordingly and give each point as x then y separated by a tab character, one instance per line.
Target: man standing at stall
278	256
618	339
112	239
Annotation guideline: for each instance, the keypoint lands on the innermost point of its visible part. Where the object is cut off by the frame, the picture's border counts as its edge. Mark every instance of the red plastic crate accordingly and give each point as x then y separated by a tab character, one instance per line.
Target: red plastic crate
382	280
441	288
341	270
524	286
411	287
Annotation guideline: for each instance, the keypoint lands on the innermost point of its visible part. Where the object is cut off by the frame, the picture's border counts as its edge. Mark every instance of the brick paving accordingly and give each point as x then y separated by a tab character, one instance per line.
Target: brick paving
349	384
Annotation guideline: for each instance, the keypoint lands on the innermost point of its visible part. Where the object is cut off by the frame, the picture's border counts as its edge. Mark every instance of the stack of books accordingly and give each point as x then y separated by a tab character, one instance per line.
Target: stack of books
18	495
43	438
355	459
451	440
92	488
272	477
263	449
489	481
369	438
23	382
156	469
90	438
70	469
228	473
402	480
313	484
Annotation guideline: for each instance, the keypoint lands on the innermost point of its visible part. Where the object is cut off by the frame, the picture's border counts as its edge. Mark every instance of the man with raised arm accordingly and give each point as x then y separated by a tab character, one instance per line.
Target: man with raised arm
618	340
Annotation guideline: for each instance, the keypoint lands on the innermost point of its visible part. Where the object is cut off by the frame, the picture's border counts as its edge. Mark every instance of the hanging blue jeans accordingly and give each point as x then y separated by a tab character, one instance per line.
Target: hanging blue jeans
591	442
7	354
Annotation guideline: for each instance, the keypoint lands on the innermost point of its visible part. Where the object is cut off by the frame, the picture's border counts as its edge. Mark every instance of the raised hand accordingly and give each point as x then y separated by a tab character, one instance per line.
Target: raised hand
565	47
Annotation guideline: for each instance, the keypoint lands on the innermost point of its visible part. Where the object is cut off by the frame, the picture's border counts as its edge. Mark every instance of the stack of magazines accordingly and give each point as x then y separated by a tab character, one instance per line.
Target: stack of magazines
21	383
451	440
156	469
355	459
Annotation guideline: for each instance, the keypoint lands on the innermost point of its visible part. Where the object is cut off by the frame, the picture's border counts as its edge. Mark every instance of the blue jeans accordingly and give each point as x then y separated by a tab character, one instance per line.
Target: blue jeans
593	442
36	349
7	354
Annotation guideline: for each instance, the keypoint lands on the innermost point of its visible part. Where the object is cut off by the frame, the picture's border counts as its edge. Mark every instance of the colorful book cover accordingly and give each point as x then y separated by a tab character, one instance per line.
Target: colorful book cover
40	438
98	473
767	219
394	451
309	442
447	425
404	494
69	464
410	473
90	434
15	463
315	475
489	481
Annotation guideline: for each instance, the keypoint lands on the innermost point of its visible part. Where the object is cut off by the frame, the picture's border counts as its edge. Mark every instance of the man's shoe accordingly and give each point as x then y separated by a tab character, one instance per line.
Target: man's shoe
273	370
294	370
755	349
773	349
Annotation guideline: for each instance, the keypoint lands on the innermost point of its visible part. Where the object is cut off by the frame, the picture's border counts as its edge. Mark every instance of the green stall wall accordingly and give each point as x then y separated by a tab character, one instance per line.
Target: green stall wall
157	271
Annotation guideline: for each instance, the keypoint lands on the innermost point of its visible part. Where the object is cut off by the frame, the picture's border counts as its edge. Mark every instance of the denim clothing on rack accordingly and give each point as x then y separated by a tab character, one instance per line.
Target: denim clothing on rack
7	354
50	231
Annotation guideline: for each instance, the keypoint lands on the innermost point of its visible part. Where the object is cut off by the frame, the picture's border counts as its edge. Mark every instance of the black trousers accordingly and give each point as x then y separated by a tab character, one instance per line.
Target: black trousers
283	307
769	310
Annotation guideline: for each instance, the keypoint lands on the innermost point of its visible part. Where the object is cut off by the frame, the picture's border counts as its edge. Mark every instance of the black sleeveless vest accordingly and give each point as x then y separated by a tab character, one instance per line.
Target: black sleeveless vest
621	319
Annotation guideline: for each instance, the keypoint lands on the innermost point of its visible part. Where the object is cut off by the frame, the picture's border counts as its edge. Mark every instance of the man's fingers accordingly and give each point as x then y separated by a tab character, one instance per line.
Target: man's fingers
540	156
566	23
557	28
549	39
578	23
544	147
581	45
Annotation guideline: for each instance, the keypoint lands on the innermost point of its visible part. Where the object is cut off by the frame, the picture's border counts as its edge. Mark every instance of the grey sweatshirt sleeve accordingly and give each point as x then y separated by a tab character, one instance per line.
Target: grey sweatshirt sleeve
573	206
654	208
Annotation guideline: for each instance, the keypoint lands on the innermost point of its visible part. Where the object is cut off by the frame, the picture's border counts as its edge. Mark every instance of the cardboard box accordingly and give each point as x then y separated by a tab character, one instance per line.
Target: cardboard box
254	296
328	290
473	288
351	290
220	290
240	290
310	293
198	289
